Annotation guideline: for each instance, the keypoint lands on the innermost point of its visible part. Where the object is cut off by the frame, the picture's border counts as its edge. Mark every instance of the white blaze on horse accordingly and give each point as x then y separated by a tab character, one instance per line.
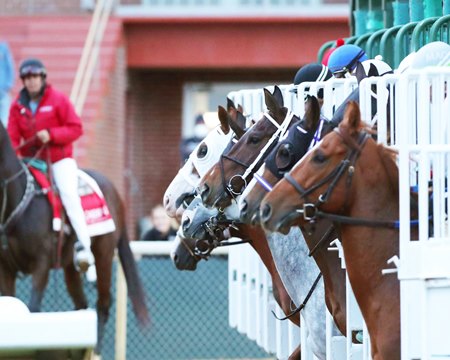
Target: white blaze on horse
181	190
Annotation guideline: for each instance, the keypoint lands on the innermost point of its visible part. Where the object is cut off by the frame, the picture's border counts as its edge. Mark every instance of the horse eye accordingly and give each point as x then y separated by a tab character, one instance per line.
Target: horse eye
284	157
202	151
319	157
253	140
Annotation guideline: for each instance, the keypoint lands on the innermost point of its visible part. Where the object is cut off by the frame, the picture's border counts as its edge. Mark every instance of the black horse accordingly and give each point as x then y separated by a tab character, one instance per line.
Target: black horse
29	245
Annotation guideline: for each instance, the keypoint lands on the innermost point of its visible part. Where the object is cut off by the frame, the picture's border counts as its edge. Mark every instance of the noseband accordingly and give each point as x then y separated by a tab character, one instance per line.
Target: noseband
204	247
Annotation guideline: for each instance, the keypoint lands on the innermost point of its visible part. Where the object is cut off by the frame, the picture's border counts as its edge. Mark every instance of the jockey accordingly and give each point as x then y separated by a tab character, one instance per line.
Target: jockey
312	72
45	119
343	60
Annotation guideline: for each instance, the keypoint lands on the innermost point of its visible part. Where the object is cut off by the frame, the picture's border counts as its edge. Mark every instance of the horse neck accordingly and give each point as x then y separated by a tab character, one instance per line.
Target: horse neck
367	249
10	166
259	243
329	264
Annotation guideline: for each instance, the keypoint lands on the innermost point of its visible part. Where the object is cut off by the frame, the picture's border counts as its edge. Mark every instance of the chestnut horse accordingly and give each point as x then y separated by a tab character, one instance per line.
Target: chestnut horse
30	246
352	181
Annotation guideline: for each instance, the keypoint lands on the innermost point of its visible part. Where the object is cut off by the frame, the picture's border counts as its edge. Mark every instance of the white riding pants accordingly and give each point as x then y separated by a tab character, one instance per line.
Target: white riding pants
65	175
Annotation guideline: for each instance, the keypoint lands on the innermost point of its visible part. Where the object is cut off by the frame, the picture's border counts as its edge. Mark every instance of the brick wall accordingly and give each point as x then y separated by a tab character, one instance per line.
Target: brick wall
154	127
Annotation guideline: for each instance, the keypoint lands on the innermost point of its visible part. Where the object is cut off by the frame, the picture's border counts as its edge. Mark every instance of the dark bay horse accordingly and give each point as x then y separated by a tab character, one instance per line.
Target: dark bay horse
228	178
352	181
281	160
29	244
219	190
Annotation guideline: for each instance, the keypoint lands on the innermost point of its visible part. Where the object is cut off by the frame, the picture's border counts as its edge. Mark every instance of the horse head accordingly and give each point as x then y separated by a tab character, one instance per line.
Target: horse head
182	188
202	230
321	179
301	136
228	178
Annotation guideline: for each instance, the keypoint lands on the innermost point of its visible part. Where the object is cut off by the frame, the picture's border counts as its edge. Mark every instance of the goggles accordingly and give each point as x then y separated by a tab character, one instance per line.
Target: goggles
345	71
32	70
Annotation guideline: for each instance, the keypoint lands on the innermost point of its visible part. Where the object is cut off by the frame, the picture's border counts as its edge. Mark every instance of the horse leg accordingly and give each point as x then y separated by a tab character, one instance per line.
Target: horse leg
74	287
296	354
39	282
103	265
7	281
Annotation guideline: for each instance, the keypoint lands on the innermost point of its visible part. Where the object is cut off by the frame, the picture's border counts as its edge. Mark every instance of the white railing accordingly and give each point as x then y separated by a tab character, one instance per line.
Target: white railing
25	332
233	8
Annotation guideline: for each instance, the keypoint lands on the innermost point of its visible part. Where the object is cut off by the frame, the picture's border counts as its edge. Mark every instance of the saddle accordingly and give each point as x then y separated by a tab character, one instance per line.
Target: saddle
96	211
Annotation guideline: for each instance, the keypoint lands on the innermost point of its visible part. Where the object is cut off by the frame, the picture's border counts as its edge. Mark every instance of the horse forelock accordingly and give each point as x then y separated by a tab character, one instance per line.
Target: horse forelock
350	134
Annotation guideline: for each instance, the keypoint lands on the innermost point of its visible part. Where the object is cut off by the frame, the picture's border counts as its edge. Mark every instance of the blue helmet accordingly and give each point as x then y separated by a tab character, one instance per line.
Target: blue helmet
345	58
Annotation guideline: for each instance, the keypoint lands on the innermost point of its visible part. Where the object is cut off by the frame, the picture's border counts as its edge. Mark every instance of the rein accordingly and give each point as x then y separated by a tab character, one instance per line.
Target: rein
30	192
311	211
303	304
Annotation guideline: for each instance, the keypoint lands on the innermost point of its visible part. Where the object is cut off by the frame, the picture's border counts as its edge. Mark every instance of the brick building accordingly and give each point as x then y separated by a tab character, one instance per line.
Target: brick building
134	113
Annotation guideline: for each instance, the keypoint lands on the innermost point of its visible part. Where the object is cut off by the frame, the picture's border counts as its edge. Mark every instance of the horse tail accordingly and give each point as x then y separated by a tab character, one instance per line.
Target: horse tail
135	289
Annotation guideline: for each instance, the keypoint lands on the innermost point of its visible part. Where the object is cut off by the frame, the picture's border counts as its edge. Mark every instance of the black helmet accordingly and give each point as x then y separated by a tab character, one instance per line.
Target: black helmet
311	73
32	67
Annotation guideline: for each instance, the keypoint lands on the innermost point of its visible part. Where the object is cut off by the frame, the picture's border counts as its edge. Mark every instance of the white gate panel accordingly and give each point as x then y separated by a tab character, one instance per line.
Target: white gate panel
233	287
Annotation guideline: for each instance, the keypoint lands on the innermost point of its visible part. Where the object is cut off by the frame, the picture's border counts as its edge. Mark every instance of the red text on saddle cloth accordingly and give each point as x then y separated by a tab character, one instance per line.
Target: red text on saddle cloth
98	217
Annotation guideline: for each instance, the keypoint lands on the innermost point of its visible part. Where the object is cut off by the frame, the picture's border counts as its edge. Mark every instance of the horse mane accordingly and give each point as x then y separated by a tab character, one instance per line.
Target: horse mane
388	158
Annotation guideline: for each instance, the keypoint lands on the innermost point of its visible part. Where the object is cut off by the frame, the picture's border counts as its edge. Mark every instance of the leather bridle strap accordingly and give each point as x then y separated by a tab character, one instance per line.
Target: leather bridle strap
303	304
358	221
30	192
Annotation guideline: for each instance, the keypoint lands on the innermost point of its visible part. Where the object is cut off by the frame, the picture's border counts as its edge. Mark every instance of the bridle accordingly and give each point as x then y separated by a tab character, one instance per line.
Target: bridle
311	210
203	247
250	169
297	149
28	195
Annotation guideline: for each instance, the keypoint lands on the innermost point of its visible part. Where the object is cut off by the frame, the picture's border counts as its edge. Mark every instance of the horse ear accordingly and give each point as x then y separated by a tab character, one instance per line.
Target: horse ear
235	121
230	104
241	120
352	117
272	103
238	130
241	110
373	71
278	95
224	119
360	72
312	113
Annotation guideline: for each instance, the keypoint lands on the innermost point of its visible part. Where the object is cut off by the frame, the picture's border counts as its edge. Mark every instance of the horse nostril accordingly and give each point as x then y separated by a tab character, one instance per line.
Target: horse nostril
255	218
175	258
205	192
243	208
186	223
166	201
266	213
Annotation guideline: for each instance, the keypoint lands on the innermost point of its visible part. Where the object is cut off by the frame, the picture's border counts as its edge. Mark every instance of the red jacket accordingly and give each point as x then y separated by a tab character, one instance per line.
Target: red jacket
54	113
